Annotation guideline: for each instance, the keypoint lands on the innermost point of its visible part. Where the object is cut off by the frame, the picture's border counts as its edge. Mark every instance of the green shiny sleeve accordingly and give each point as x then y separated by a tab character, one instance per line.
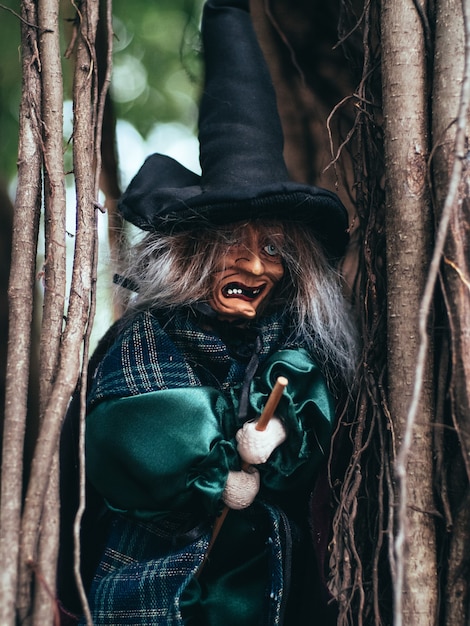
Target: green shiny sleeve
161	451
307	410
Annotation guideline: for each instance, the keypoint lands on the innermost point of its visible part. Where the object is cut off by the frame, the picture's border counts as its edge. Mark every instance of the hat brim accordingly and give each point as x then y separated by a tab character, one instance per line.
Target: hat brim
167	197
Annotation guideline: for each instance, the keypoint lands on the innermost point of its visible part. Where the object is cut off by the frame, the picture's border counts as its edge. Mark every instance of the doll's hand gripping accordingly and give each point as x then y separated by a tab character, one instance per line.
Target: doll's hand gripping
278	433
241	488
266	415
256	446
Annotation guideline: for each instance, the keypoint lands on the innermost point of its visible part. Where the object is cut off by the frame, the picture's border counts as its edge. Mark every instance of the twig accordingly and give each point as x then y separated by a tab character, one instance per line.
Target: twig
22	19
284	39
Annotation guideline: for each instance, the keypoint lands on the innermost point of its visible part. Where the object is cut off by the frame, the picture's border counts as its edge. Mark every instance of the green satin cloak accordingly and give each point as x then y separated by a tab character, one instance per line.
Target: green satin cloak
171	449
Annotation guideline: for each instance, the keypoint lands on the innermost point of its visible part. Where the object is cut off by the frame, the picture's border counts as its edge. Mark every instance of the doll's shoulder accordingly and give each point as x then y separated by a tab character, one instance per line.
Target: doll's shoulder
130	357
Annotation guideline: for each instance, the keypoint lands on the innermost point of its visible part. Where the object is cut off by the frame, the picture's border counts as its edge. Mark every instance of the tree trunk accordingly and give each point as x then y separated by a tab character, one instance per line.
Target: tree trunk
450	137
299	41
21	295
408	231
28	569
44	608
54	273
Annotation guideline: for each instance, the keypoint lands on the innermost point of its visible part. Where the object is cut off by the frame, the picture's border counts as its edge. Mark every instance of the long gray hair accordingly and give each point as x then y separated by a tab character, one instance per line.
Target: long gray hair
174	270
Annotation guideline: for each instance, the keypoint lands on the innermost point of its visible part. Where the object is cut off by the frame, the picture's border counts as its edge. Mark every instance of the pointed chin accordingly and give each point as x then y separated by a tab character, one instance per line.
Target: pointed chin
234	308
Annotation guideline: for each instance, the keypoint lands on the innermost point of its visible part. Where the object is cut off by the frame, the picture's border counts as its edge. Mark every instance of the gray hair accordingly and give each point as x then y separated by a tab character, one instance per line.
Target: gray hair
169	271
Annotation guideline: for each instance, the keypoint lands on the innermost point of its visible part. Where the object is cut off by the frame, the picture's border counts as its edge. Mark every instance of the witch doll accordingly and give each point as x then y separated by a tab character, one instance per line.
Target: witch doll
235	285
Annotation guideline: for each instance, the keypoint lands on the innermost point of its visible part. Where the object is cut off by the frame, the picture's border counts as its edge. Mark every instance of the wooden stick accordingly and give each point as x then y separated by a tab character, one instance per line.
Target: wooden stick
262	423
271	404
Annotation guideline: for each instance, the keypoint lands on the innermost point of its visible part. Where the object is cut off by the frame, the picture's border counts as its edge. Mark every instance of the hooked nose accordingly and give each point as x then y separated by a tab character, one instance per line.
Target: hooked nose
251	263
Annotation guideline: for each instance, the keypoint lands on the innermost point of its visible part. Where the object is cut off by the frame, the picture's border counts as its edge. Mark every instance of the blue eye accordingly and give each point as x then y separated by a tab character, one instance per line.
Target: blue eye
271	249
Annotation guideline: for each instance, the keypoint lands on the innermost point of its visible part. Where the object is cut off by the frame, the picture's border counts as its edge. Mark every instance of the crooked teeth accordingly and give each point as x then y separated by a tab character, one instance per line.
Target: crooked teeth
236	291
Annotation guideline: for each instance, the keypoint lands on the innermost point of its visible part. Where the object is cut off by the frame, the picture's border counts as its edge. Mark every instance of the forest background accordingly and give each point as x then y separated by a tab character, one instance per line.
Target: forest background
374	100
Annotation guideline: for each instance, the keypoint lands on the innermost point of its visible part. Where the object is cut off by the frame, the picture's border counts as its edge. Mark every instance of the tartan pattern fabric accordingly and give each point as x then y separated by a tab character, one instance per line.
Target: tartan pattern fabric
142	575
169	353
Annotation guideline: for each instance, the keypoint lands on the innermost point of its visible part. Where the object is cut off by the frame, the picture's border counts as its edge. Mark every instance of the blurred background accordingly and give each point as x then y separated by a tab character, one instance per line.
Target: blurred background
152	107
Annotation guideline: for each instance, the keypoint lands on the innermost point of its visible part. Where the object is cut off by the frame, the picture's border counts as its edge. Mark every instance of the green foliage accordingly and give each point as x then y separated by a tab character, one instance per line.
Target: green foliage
157	67
156	75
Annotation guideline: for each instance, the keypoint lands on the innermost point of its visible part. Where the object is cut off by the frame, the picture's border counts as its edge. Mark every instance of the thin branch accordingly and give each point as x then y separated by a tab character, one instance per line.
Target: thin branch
361	20
54	275
22	19
280	32
104	91
426	28
83	380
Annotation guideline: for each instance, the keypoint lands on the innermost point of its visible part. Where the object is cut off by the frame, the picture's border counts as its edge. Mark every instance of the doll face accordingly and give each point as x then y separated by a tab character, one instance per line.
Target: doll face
246	275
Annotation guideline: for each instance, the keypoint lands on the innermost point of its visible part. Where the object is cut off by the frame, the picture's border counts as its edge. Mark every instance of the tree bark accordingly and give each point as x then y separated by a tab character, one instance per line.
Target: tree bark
54	195
54	273
299	42
450	137
450	73
21	294
43	603
82	284
408	231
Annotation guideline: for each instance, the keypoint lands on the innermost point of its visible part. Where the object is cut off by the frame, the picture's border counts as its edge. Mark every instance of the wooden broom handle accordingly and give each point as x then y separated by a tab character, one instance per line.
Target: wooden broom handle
262	423
271	404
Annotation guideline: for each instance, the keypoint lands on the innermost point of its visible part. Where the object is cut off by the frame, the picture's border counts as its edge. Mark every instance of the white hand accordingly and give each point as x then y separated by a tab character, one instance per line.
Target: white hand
241	488
256	446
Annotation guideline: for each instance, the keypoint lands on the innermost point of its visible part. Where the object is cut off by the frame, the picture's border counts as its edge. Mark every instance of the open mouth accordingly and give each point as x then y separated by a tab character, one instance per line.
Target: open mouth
237	290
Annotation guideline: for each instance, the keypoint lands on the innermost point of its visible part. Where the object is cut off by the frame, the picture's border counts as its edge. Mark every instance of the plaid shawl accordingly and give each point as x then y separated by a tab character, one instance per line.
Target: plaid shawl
142	574
171	351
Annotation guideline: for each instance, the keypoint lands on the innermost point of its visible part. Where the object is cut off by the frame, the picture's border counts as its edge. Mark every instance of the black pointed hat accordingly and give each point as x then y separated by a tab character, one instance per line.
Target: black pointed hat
244	175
